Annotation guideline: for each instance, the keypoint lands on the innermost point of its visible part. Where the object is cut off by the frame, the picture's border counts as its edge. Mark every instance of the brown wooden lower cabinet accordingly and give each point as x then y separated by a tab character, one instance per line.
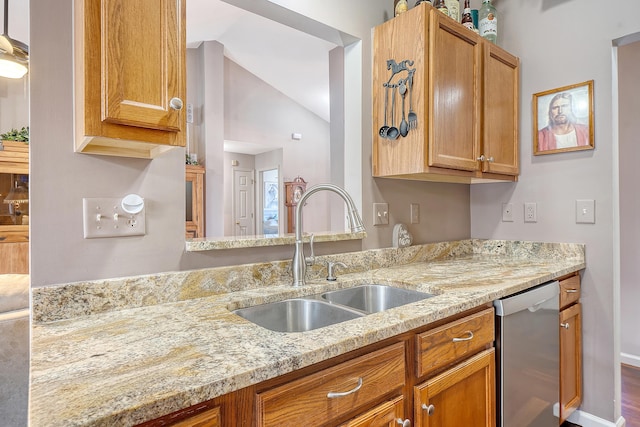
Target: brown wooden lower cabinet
379	385
570	360
461	396
570	346
328	395
384	415
208	418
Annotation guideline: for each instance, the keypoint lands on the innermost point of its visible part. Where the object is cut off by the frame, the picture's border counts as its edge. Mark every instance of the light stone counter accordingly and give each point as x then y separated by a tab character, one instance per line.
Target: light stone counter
129	365
256	241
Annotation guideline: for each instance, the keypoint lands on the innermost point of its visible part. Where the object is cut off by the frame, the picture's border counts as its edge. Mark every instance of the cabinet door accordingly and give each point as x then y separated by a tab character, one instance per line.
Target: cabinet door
130	65
570	360
210	418
141	66
455	59
500	95
384	415
461	396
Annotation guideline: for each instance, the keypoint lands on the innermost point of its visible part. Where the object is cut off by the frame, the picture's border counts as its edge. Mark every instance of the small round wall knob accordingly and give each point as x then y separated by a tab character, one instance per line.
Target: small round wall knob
132	204
175	103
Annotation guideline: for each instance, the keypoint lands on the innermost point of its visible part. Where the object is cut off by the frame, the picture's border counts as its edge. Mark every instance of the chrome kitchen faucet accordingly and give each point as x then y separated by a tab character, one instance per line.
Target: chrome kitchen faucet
299	261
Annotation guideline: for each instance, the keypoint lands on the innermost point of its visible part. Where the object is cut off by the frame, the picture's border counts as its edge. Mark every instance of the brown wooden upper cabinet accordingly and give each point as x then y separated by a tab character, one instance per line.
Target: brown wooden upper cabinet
130	76
454	94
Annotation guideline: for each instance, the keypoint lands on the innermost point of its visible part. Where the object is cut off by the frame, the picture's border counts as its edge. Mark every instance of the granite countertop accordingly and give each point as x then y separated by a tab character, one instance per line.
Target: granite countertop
127	366
256	241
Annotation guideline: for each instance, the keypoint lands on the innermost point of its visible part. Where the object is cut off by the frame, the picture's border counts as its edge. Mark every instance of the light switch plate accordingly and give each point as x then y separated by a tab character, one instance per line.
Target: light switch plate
104	217
507	212
585	211
415	213
380	213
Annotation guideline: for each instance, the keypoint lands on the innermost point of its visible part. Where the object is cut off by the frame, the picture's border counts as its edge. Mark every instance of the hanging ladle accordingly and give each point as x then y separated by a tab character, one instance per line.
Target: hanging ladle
393	132
385	128
404	125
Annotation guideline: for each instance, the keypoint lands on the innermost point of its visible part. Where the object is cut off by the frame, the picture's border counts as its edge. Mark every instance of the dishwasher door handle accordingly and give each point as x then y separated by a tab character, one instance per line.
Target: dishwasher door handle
535	307
530	300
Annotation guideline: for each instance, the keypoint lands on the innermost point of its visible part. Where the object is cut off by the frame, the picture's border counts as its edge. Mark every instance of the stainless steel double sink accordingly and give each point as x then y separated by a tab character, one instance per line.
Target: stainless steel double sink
328	308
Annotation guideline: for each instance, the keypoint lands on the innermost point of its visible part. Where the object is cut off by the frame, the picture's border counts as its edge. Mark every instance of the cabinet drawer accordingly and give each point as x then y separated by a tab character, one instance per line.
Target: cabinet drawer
386	414
569	291
453	341
357	382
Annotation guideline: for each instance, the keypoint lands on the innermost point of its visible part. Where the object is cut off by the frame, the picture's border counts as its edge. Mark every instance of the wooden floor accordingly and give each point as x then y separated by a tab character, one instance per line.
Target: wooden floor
631	395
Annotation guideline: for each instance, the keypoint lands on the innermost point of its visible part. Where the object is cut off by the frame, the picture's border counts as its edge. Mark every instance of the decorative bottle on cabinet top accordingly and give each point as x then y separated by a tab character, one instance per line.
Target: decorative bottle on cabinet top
441	6
401	6
467	20
488	21
454	9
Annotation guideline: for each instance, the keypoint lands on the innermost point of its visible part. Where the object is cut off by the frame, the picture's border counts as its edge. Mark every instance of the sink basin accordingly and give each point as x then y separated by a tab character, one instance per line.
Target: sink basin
297	315
374	298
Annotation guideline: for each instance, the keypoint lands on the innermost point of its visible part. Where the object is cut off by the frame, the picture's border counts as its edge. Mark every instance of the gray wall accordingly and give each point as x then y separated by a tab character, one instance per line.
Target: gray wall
578	48
629	111
61	178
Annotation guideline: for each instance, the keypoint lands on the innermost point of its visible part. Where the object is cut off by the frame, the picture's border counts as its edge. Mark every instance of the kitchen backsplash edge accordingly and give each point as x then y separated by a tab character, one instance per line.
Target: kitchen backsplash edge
71	300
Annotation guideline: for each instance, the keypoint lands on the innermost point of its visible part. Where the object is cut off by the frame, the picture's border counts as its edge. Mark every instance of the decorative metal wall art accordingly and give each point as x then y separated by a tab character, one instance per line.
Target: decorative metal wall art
403	85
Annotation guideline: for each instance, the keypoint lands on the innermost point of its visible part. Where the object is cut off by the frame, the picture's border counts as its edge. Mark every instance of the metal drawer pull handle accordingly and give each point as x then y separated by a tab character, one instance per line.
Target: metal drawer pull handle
470	337
430	409
571	291
333	394
404	423
565	325
481	158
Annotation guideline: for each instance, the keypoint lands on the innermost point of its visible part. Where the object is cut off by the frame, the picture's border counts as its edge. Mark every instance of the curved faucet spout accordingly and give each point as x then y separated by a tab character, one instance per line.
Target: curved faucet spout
299	262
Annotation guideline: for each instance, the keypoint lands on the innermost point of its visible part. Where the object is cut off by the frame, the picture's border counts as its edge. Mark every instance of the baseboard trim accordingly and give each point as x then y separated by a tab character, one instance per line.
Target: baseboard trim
630	359
585	419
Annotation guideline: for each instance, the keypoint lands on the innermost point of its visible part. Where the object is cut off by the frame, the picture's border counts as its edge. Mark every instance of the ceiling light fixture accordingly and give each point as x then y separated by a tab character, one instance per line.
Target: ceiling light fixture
14	55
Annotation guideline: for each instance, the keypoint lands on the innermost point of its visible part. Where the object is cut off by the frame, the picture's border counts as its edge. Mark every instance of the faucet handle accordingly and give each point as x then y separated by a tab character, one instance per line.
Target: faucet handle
311	259
331	266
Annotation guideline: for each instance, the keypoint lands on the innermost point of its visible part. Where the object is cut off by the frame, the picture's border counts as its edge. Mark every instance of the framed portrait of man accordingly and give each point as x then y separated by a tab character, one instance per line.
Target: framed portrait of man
563	119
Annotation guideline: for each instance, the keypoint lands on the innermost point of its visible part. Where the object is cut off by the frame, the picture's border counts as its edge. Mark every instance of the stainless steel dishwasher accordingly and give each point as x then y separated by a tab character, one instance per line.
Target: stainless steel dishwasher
528	357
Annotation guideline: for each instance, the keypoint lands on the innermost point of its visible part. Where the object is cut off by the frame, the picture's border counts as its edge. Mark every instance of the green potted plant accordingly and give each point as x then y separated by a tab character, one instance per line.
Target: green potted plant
21	135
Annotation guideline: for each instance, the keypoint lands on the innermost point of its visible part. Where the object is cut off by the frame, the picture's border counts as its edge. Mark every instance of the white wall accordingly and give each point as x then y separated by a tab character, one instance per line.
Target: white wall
561	43
629	110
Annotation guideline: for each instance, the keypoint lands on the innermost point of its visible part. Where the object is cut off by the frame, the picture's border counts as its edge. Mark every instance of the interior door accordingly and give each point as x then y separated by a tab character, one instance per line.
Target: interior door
243	202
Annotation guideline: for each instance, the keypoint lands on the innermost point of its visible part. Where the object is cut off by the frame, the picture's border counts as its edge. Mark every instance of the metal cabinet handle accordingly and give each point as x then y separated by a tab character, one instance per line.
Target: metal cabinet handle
481	158
468	338
430	409
334	394
565	325
490	159
571	291
175	104
404	423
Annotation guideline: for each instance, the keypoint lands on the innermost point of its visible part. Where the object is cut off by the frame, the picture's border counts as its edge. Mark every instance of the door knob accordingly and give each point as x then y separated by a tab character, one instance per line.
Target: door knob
175	104
430	409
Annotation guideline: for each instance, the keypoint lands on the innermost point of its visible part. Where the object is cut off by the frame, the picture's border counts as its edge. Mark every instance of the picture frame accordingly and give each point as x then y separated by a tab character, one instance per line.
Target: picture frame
563	119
